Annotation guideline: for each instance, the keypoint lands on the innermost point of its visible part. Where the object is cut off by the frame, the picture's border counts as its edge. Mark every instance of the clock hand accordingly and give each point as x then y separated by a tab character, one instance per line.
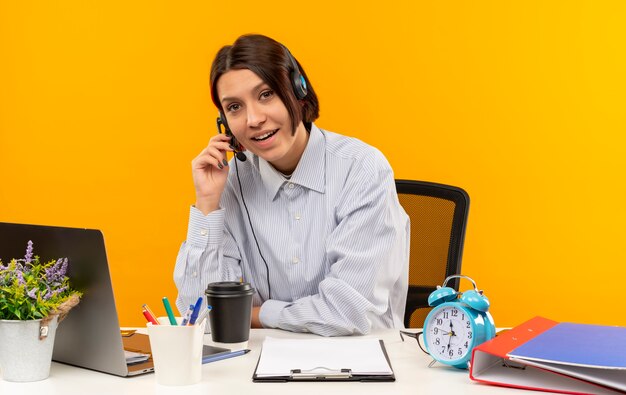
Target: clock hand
451	330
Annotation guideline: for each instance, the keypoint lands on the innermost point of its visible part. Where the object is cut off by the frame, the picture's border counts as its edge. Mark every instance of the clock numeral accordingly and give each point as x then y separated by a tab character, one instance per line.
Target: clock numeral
460	351
445	315
451	352
466	344
436	330
455	313
469	334
462	317
439	321
443	350
437	341
468	325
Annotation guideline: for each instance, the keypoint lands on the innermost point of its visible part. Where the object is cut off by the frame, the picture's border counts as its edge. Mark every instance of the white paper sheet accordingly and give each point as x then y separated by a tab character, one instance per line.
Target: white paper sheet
362	356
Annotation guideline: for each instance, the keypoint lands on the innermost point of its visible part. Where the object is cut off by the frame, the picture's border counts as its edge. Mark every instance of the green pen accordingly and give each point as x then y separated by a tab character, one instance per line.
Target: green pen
168	310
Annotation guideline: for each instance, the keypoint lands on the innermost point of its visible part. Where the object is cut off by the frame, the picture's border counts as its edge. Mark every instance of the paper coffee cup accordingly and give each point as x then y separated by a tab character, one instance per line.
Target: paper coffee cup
231	313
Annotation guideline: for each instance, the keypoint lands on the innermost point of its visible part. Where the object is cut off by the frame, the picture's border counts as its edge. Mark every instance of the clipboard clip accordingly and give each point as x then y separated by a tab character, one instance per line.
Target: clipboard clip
320	373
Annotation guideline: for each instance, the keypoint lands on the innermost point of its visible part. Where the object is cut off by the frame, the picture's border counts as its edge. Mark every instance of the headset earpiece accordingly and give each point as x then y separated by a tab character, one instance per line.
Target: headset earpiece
298	83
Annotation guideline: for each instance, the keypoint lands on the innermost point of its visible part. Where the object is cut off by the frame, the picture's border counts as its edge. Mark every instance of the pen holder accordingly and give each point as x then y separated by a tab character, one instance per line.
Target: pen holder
176	352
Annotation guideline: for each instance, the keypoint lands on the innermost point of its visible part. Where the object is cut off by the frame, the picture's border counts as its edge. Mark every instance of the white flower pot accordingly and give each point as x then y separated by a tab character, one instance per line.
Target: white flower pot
23	356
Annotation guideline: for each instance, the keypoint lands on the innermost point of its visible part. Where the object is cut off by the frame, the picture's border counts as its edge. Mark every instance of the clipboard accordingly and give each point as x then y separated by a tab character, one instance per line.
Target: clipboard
284	360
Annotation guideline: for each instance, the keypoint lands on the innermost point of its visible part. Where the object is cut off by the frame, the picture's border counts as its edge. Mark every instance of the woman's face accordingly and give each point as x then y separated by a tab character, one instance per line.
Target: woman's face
259	119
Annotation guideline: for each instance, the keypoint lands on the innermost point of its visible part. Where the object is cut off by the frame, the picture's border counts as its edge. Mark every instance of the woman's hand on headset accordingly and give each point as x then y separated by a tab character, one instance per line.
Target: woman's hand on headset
210	171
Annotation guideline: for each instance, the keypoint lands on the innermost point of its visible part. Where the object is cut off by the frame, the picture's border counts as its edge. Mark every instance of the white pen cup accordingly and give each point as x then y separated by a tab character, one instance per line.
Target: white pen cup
176	352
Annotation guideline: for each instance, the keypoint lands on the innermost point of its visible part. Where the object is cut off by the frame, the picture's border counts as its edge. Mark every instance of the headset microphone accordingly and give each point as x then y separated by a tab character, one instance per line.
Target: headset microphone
240	155
221	121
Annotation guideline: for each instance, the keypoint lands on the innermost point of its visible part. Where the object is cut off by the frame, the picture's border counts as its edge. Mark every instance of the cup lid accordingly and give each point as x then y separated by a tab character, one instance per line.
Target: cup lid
228	289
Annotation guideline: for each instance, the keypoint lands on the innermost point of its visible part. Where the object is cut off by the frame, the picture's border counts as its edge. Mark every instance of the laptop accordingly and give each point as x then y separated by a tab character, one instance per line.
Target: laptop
90	336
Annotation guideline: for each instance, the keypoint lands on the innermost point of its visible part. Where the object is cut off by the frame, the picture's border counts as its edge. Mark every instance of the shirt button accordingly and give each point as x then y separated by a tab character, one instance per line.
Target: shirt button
297	216
295	259
203	232
291	186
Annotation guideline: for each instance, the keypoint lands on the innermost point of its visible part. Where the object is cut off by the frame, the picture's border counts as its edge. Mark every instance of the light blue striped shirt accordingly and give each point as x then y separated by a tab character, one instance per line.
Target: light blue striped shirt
334	236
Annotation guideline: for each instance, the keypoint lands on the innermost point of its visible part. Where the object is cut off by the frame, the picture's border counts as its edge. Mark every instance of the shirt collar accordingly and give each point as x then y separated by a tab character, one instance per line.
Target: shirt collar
310	172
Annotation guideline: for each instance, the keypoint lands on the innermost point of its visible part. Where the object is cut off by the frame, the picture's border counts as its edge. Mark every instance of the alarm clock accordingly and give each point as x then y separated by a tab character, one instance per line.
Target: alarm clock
458	322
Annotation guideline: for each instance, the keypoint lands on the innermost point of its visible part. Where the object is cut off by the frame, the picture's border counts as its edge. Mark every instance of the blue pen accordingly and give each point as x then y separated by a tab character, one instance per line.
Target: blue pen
219	357
196	311
187	315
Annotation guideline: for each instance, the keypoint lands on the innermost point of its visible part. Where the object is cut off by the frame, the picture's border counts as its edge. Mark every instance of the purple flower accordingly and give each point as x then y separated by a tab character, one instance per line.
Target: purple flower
56	273
48	294
58	291
32	293
20	277
29	252
63	268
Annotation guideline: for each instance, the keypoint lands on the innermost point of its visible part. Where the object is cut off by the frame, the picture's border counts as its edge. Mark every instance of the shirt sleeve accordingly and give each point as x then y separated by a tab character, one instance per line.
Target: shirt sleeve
368	252
209	254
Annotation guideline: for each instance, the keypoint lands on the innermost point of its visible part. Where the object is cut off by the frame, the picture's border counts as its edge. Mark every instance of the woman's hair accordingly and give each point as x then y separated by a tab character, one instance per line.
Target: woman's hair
270	60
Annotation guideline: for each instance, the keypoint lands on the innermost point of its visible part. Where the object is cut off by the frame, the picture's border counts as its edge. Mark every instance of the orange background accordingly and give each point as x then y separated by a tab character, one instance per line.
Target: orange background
104	104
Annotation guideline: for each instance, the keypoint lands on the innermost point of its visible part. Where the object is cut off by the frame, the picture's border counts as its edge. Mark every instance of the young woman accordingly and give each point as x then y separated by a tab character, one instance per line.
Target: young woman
310	218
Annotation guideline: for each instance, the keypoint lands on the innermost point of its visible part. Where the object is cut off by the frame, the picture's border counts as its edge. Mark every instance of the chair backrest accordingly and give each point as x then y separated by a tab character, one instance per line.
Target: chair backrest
438	219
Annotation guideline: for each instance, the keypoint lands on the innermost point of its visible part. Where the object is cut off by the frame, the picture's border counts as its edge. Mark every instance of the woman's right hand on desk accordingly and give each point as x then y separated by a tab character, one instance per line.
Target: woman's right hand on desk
210	171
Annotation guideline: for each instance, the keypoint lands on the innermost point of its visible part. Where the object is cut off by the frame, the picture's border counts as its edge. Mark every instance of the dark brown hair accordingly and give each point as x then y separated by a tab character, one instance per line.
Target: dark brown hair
268	59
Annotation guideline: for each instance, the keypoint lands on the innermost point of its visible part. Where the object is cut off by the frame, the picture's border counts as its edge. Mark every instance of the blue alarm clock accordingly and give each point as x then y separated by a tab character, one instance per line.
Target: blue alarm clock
458	322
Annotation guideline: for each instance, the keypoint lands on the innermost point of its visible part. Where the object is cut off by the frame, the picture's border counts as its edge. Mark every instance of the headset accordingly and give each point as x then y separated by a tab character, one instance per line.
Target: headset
299	86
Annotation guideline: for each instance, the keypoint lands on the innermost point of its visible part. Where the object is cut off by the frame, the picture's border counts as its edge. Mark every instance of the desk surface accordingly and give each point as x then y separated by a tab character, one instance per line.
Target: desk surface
234	376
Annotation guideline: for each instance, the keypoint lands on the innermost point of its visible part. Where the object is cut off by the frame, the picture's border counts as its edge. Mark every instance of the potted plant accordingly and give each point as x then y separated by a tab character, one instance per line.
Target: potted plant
34	298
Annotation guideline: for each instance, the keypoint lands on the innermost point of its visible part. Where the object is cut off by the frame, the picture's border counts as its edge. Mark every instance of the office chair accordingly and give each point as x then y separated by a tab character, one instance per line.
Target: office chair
438	219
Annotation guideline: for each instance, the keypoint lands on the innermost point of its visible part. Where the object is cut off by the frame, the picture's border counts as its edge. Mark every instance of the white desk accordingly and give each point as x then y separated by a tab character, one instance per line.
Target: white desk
234	376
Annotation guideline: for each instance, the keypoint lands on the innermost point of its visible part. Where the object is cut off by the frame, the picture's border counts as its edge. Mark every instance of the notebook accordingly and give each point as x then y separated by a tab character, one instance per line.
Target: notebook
89	337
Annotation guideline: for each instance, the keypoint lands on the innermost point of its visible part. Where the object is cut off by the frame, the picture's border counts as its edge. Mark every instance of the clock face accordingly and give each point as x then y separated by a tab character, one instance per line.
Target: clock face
449	334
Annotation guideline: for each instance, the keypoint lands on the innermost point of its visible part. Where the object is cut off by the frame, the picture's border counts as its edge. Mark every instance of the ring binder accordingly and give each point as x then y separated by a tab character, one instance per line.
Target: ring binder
546	355
308	374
